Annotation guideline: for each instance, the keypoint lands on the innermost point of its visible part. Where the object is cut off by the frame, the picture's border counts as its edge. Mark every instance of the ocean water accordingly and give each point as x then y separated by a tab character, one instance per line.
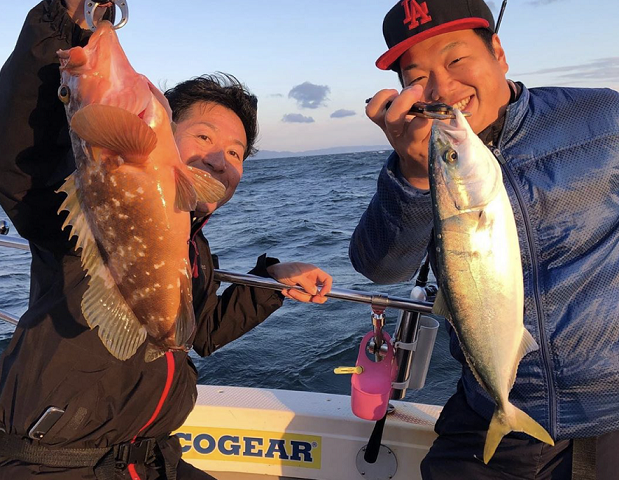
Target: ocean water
296	209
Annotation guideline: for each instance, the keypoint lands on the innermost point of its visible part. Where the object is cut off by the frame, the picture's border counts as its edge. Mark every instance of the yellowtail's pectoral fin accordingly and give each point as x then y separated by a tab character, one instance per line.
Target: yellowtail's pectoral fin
440	305
513	420
527	345
195	186
115	129
103	305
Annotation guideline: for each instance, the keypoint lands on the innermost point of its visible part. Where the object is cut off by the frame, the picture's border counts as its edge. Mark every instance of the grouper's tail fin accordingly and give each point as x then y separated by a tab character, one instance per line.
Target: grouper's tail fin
512	420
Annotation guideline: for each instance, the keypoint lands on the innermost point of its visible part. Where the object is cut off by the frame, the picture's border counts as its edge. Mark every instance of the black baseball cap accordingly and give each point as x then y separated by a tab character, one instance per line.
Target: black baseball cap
412	21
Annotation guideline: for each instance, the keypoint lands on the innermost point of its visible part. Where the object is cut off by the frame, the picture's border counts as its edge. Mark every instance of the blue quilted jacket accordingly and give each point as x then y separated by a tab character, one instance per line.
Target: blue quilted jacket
559	153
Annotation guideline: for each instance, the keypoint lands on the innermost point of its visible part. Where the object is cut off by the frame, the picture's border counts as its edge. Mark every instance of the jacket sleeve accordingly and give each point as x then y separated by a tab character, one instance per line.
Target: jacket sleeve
393	234
224	318
36	154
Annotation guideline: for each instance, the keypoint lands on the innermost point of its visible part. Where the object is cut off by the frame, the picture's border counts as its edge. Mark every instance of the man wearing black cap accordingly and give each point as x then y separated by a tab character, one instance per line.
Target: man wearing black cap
559	153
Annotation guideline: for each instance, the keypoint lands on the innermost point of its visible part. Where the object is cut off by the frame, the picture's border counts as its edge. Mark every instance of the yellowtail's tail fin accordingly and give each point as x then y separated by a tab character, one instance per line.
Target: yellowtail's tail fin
513	420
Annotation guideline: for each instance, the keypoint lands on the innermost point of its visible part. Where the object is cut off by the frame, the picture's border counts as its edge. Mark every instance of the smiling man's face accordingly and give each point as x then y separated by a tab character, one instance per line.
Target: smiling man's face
212	138
458	69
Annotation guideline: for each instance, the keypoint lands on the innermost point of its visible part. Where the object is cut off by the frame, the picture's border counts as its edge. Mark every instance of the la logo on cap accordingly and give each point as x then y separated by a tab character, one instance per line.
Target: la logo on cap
416	14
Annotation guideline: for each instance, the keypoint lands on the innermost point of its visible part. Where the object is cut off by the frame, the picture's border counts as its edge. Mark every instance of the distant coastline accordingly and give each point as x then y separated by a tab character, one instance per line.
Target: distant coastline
264	154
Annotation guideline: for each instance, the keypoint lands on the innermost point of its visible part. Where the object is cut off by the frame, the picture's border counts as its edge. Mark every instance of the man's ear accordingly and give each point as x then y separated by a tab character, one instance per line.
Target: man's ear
499	53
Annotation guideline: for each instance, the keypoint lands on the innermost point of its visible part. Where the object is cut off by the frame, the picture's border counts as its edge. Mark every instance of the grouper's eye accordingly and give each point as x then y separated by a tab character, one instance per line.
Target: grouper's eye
64	94
450	156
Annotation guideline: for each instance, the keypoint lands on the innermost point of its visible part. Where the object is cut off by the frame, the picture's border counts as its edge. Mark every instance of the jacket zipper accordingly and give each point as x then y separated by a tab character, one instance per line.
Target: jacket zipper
534	264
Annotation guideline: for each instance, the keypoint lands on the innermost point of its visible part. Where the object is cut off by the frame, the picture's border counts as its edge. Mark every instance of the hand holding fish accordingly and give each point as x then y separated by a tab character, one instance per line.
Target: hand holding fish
311	278
408	135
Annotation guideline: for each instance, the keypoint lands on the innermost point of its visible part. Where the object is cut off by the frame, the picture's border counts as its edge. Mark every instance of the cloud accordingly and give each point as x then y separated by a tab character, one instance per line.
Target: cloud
603	69
309	95
275	95
343	113
296	118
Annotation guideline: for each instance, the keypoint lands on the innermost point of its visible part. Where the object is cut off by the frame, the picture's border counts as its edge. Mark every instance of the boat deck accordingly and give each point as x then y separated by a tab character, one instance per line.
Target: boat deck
255	434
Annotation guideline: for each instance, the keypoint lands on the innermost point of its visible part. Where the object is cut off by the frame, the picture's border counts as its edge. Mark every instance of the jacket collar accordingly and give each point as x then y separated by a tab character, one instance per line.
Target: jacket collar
491	135
514	116
197	223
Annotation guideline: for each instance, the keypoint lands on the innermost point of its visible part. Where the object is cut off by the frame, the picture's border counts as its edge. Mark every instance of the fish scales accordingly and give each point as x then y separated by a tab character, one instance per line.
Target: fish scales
144	254
480	270
129	201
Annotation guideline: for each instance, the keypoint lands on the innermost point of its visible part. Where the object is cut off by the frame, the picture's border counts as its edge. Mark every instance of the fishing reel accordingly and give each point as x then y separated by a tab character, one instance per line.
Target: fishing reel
90	7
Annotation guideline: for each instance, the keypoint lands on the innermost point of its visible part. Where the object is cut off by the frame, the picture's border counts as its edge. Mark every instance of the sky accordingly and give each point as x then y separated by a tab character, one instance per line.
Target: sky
311	63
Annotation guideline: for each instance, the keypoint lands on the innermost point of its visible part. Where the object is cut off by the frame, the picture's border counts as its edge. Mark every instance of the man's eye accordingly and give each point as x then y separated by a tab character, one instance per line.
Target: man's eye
459	59
415	81
203	137
234	154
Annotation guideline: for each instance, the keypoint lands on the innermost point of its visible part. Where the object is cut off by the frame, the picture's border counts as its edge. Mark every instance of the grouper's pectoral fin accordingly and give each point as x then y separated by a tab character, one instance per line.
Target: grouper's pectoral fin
185	320
184	325
103	305
115	129
194	185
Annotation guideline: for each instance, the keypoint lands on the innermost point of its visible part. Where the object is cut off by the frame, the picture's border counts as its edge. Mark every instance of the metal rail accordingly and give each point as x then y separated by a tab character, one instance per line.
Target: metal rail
371	298
13	242
8	318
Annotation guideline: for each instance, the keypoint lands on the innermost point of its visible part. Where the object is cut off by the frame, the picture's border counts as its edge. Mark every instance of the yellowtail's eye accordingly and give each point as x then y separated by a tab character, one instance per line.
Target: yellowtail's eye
64	94
450	156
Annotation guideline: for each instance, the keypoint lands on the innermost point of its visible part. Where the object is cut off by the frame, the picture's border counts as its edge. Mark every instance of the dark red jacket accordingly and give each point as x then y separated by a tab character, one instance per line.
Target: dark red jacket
54	359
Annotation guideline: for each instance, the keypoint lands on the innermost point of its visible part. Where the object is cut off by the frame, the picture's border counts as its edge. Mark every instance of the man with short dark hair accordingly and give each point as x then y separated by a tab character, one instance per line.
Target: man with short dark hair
559	153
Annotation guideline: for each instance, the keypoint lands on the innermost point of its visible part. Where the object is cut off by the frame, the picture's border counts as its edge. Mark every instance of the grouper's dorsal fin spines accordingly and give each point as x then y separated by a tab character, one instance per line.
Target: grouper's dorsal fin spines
115	129
103	305
194	185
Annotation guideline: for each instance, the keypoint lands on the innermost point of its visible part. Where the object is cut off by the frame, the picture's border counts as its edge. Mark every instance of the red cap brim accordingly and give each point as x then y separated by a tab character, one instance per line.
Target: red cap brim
387	59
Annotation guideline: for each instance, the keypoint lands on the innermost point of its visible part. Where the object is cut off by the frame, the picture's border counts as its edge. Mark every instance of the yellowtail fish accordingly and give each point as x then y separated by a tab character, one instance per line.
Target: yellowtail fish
129	201
482	291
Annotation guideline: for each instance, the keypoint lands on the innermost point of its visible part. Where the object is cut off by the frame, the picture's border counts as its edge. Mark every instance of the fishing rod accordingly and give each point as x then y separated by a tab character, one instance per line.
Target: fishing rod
498	22
371	298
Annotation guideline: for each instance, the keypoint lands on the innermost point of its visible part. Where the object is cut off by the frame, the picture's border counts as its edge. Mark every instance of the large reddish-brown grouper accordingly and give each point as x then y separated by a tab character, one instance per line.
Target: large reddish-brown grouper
129	201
